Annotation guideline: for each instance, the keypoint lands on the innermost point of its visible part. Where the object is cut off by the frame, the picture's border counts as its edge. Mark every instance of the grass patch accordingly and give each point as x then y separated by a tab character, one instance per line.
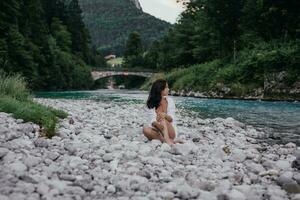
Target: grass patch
15	98
115	61
14	86
33	112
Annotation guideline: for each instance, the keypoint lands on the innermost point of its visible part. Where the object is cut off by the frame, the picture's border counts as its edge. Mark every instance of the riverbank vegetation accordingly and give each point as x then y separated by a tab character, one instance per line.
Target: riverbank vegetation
15	98
253	70
232	48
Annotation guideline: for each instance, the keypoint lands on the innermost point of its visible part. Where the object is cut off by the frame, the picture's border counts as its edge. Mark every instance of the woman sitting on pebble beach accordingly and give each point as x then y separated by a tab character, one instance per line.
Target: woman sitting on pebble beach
161	113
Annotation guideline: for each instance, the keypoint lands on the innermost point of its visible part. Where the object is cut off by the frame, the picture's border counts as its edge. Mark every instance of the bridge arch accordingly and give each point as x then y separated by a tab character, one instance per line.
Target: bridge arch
103	74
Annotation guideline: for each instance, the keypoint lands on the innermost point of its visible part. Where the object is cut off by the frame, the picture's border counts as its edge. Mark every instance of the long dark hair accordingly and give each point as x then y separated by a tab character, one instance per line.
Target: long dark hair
155	93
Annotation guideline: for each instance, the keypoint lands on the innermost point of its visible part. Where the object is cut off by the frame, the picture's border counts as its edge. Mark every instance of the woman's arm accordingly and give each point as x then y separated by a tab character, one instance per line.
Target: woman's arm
164	116
169	118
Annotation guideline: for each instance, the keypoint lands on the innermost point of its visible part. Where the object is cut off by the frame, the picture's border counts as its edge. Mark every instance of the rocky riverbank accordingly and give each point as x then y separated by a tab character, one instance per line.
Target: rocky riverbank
255	96
100	153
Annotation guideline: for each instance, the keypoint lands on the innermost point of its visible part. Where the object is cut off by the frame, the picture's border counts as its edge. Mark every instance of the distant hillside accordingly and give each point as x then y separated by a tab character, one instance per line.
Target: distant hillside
110	23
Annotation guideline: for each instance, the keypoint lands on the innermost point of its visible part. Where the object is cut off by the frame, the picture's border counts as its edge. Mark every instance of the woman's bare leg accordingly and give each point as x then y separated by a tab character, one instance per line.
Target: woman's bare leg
166	129
171	130
165	132
162	131
152	134
172	134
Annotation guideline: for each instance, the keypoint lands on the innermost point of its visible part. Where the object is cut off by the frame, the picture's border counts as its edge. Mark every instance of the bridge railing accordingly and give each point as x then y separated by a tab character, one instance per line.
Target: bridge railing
121	69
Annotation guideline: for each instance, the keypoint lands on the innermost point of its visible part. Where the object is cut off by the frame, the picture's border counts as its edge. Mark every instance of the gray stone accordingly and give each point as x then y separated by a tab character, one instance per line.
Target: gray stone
204	195
165	147
236	195
297	177
111	189
18	167
70	147
67	177
75	162
130	155
144	173
19	121
145	150
31	161
41	142
26	128
155	143
296	197
268	164
2	197
3	152
271	172
181	149
86	184
153	161
187	192
114	164
17	196
53	155
254	167
14	135
42	188
28	179
291	145
108	157
166	195
238	155
283	164
75	190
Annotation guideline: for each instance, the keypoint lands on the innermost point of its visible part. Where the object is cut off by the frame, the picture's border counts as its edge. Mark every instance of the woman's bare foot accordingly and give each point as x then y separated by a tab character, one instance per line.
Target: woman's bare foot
169	141
178	141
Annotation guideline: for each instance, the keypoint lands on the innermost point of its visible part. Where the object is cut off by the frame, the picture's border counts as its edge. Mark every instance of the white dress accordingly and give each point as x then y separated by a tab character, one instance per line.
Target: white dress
170	111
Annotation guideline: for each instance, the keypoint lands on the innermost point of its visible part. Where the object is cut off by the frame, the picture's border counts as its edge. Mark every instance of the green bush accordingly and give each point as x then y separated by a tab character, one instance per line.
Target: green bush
197	77
147	84
227	74
174	75
253	64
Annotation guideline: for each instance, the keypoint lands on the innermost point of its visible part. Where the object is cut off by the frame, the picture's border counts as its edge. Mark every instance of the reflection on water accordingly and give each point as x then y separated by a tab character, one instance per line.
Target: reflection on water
280	119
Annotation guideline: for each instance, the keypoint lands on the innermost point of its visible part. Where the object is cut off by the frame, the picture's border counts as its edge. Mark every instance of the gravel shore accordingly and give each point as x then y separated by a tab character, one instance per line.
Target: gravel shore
101	153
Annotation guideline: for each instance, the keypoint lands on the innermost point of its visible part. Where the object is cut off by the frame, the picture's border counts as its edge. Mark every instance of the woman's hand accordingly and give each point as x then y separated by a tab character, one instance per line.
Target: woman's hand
160	116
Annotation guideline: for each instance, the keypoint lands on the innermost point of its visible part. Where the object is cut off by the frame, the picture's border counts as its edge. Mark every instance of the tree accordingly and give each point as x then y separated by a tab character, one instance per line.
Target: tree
80	35
61	35
40	40
133	56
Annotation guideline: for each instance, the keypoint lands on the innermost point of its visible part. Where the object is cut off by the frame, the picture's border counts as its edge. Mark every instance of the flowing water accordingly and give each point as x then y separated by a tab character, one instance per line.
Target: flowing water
278	118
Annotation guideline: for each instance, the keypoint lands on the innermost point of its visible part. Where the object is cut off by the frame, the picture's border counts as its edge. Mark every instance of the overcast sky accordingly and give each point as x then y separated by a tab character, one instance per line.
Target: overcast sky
167	10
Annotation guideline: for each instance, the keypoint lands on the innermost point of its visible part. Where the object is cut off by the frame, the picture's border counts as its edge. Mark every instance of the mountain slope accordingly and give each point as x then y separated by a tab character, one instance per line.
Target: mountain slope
110	23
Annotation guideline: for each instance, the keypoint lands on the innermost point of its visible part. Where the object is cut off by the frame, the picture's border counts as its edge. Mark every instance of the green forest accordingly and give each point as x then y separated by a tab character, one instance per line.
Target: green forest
110	23
220	48
231	48
46	42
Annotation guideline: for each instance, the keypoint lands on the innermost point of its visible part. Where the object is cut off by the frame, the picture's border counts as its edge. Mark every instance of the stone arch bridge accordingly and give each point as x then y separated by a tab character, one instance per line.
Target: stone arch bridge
98	74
